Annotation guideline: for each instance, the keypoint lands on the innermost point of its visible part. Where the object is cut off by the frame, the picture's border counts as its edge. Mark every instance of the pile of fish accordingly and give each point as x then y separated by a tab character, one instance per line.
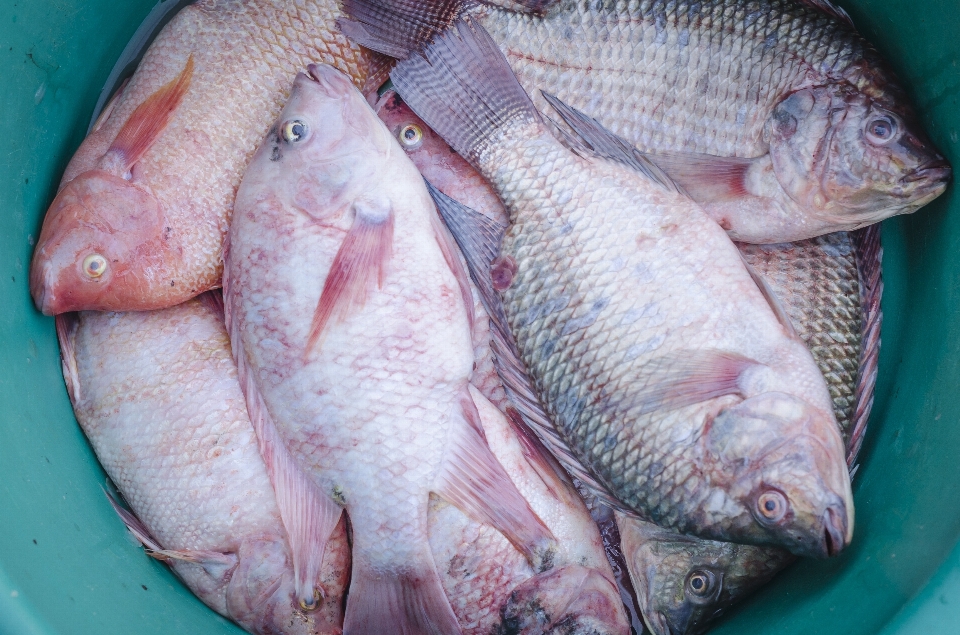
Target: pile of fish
571	326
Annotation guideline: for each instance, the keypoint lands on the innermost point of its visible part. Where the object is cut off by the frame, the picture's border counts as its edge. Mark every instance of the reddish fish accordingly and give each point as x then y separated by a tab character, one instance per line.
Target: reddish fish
157	395
145	202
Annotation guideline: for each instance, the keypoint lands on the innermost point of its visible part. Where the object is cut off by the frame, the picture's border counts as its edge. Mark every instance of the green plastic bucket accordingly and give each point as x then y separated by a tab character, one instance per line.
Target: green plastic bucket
67	565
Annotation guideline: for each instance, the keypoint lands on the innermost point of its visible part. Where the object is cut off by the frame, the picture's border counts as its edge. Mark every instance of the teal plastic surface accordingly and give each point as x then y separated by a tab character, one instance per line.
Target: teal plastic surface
68	567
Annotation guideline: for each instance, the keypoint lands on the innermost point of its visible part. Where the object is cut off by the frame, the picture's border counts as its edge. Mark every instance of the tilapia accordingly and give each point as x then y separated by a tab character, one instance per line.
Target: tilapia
144	203
669	383
831	287
776	115
157	394
349	317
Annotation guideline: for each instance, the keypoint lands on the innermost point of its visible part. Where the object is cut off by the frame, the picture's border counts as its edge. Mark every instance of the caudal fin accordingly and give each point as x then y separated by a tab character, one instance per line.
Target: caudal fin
463	88
406	603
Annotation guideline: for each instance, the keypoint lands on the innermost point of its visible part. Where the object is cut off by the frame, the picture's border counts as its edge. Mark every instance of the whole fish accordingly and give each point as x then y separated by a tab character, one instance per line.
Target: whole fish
695	411
776	115
831	287
819	283
348	314
144	204
157	395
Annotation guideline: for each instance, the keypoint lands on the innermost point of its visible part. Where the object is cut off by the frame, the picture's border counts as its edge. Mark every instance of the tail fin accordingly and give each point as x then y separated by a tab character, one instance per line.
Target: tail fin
398	27
407	603
461	85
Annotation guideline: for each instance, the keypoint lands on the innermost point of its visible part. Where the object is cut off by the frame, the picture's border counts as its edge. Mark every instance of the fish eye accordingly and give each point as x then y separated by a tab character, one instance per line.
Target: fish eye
294	131
881	130
94	265
772	505
702	584
410	136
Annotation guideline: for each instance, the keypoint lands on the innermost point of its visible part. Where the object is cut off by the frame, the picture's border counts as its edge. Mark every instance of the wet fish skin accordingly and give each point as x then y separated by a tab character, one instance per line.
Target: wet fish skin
766	112
159	223
831	287
352	332
597	393
157	395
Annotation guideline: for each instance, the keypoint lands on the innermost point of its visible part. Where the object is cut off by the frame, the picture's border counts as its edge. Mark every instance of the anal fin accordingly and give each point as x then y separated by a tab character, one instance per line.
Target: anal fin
308	515
477	484
360	261
208	559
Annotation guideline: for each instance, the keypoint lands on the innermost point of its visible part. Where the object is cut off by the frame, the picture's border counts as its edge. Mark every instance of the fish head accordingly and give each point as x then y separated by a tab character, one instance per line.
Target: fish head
853	159
101	247
684	583
323	147
787	483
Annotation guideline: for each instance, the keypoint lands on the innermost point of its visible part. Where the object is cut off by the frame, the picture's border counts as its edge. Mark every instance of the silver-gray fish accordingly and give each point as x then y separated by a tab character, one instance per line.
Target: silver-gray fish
617	289
776	115
831	287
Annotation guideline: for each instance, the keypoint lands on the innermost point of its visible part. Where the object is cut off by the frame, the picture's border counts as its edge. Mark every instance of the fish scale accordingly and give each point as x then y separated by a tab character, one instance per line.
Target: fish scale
699	76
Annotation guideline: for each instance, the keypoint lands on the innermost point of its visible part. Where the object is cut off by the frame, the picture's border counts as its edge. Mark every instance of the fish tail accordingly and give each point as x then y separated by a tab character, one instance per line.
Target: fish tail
463	88
411	601
398	27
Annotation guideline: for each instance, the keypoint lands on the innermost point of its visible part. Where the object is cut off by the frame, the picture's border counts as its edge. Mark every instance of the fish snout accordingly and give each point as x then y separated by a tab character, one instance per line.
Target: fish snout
41	287
934	173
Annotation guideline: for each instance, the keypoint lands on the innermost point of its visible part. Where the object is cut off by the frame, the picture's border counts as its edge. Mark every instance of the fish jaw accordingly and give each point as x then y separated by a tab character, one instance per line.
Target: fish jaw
99	230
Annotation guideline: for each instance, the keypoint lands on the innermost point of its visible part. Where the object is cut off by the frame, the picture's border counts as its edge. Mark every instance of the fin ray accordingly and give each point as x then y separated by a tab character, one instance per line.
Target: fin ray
706	178
474	481
151	118
869	255
67	324
361	260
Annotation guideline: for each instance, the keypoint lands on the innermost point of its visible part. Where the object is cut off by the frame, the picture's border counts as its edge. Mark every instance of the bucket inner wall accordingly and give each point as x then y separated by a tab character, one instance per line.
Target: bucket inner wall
67	565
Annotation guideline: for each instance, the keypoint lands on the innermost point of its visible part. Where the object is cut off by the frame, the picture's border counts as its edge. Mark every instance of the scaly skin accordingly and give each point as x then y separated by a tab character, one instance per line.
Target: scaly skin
245	52
157	395
714	78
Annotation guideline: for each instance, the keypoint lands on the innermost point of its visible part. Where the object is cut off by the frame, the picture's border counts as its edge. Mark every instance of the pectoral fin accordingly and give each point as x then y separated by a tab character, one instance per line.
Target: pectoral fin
706	178
67	324
151	118
360	262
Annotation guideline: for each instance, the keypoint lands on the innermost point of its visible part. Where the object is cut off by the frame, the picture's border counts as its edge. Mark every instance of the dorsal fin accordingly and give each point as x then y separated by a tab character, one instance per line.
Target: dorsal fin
600	142
772	300
831	9
869	253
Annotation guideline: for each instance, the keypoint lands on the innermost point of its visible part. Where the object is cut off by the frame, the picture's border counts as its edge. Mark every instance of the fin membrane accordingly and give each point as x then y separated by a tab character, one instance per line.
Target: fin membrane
308	515
474	481
397	27
408	603
595	140
704	177
67	325
463	88
151	118
360	261
869	255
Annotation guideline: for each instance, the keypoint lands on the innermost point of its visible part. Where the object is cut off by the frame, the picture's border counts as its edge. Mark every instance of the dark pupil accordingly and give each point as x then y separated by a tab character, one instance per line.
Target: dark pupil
697	584
410	134
770	506
297	130
94	265
881	129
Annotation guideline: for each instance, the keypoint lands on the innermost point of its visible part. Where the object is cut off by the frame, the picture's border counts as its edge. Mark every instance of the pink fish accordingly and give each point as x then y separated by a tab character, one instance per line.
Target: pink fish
158	397
144	204
349	317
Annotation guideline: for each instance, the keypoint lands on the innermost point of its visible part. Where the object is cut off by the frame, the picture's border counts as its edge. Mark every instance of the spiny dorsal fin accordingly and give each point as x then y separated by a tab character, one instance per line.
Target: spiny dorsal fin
869	255
831	9
604	144
772	300
397	27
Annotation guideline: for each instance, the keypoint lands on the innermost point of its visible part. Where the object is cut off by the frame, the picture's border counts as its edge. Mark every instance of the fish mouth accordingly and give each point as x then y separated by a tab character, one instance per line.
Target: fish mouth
934	173
834	532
